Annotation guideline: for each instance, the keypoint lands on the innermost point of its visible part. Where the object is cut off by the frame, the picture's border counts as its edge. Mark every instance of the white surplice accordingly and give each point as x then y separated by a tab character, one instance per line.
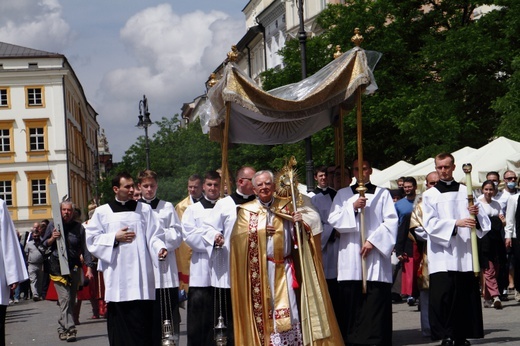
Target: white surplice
128	267
448	251
380	230
220	221
167	274
192	233
12	264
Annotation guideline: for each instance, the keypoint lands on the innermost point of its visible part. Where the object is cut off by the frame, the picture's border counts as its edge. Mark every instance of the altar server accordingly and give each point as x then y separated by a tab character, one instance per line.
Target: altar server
455	310
124	235
365	318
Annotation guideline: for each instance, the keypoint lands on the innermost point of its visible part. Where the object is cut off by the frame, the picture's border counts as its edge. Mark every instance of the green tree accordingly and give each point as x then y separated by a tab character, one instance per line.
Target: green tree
445	80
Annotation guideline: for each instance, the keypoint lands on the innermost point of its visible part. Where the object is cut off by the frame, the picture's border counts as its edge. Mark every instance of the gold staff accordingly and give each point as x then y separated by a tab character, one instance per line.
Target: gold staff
357	39
289	179
474	246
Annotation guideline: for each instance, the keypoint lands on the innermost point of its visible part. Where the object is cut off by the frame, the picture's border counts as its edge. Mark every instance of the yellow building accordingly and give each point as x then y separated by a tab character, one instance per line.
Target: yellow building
48	134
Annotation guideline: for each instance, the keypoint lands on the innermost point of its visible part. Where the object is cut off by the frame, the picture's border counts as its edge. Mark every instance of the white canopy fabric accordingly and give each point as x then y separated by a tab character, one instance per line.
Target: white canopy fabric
290	113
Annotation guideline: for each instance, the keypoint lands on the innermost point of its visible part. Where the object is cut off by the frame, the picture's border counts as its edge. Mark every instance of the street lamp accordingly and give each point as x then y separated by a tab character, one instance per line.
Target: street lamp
302	36
144	123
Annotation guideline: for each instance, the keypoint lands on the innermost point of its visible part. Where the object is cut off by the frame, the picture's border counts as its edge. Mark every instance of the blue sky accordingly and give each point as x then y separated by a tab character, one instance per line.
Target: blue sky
122	49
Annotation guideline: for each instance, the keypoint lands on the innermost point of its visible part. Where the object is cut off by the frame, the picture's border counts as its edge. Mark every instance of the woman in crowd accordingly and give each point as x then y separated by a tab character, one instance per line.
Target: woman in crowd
490	246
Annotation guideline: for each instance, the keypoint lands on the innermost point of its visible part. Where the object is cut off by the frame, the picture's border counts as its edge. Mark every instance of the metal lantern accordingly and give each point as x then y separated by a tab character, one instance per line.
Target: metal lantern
220	332
167	335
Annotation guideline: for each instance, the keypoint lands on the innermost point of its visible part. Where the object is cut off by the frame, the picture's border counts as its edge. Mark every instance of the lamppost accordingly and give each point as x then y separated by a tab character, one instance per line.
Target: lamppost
302	36
144	123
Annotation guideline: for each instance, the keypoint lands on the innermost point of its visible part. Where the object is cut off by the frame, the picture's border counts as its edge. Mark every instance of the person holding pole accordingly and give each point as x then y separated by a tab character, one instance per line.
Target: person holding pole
366	317
266	272
454	306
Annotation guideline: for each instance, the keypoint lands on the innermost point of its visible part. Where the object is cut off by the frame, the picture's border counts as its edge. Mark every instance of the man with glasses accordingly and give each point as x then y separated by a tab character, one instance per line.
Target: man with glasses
510	189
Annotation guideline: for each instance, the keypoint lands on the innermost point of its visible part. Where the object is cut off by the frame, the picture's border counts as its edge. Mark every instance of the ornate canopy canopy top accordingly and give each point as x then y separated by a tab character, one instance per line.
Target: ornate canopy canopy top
290	113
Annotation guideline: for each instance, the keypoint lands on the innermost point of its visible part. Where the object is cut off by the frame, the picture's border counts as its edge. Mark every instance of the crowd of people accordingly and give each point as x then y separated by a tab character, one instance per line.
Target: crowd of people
260	266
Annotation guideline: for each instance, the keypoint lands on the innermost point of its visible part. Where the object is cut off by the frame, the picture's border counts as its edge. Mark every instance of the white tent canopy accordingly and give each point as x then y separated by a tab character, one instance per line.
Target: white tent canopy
492	157
385	177
499	155
513	162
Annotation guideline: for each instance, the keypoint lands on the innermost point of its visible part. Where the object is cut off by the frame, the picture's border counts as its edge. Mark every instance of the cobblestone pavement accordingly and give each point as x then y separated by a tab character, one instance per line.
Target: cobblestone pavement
34	323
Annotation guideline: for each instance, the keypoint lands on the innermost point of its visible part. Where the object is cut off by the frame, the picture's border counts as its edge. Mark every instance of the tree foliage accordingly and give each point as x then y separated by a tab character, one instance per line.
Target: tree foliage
445	80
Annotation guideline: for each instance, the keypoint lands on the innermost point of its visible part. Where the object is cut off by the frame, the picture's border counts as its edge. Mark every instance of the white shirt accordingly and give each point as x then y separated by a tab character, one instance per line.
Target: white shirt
380	230
510	229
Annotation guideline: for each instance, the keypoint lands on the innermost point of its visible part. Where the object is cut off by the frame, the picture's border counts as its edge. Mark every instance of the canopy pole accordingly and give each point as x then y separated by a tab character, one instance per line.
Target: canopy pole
224	181
361	185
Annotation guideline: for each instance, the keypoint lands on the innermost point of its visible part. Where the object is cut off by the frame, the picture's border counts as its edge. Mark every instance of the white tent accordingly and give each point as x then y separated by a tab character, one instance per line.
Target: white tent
499	155
513	162
389	175
493	156
420	170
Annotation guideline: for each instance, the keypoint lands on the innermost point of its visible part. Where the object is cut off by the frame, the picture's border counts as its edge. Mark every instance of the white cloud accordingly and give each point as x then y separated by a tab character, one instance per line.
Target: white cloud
40	27
175	55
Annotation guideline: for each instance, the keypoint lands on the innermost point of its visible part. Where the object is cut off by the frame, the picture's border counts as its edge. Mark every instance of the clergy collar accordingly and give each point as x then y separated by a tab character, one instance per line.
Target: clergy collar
195	200
118	206
149	201
153	202
266	204
371	188
122	202
447	186
212	201
207	203
239	198
244	196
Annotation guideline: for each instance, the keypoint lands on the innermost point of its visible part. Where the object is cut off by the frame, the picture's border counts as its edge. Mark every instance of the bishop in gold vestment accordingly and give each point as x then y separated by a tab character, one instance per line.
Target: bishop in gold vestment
268	307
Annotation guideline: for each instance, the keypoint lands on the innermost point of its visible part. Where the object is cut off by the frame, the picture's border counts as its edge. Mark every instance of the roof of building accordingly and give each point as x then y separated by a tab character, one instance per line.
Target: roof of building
8	50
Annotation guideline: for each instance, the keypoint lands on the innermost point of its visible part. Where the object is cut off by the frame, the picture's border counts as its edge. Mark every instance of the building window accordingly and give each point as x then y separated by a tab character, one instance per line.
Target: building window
37	142
39	191
34	96
5	140
36	138
4	97
6	192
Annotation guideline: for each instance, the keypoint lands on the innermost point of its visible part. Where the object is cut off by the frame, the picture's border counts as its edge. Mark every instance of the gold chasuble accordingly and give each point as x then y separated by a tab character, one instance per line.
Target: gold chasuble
183	252
258	313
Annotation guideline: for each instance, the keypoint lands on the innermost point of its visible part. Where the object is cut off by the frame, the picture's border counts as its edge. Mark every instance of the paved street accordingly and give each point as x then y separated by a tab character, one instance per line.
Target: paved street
34	323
